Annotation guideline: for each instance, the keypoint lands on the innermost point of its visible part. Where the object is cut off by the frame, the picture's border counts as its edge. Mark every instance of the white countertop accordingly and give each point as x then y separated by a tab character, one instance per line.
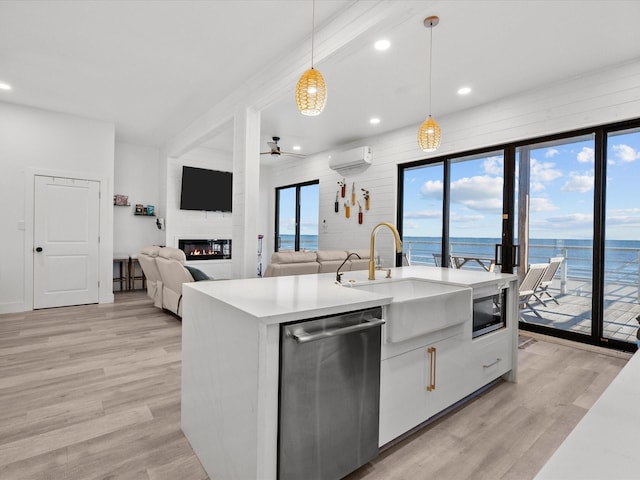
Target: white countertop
454	276
284	299
604	445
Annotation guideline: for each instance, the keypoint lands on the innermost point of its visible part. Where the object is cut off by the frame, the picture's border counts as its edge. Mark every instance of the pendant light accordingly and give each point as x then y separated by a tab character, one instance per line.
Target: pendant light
429	132
311	92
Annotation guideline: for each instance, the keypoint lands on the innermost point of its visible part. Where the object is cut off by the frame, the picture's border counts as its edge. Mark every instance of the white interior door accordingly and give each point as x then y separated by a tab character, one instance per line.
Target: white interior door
66	242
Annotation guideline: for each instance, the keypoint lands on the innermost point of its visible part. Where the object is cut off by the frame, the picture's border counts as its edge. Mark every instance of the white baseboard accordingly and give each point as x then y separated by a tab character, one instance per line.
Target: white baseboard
13	307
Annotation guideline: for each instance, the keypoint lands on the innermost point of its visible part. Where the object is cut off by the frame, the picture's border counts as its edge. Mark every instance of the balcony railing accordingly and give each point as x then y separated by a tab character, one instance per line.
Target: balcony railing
572	281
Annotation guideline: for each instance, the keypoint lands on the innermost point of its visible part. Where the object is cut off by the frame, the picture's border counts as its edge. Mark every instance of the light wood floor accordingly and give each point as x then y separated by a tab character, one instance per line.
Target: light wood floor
93	392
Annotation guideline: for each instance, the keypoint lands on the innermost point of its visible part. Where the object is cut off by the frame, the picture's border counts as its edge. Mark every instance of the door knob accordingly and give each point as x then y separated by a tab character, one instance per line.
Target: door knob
38	249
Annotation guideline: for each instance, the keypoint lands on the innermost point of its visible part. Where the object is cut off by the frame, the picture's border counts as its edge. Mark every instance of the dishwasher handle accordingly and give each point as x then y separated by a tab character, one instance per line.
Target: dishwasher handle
301	336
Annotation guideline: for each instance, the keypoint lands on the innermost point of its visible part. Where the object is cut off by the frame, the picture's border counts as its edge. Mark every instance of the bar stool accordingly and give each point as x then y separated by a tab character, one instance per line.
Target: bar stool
121	261
136	273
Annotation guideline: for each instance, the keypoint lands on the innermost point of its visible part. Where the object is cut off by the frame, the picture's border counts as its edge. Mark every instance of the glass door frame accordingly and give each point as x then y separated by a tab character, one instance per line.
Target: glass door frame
298	187
508	204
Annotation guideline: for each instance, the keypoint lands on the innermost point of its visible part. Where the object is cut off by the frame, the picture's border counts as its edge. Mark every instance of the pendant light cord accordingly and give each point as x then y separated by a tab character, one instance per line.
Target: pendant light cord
313	26
430	59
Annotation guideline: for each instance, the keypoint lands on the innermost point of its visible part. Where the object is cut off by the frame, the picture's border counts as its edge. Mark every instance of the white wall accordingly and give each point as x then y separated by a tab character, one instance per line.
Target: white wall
603	97
34	141
137	174
197	224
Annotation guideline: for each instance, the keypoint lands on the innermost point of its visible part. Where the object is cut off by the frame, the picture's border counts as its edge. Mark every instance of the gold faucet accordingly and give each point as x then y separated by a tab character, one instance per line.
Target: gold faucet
372	268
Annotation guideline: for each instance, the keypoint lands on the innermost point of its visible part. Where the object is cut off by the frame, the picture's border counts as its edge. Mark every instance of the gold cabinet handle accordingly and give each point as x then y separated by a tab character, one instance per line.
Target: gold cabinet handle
432	369
435	356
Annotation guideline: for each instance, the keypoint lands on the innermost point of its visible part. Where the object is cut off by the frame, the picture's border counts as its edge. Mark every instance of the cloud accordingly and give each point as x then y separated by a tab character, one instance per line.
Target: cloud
623	220
626	153
423	214
432	189
572	220
623	211
543	172
541	204
586	155
409	225
493	166
623	216
552	152
577	182
478	193
536	187
466	218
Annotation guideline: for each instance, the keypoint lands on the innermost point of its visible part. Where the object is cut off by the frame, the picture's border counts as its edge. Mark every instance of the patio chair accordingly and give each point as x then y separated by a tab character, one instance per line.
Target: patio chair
530	284
547	280
437	258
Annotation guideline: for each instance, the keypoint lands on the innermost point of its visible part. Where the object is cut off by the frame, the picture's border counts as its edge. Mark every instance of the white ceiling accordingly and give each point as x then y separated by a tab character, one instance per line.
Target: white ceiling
153	67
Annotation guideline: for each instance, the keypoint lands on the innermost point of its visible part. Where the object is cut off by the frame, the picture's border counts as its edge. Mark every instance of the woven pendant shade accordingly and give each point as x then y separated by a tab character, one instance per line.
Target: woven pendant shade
311	93
429	135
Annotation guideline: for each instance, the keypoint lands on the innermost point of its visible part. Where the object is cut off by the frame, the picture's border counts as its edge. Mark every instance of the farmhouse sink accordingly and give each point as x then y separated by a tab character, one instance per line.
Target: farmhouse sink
420	307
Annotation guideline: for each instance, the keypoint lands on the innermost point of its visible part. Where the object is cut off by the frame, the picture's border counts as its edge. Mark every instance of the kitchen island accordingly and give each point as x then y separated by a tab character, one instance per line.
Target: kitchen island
231	355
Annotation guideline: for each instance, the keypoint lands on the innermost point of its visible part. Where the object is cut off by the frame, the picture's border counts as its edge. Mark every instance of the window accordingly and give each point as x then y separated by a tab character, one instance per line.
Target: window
297	208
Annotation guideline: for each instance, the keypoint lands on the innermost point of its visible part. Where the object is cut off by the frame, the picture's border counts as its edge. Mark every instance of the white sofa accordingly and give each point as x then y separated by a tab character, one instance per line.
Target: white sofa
322	261
165	270
147	260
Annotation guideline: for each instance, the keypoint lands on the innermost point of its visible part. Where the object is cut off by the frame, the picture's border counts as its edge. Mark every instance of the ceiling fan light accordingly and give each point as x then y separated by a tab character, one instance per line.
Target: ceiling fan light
429	135
311	93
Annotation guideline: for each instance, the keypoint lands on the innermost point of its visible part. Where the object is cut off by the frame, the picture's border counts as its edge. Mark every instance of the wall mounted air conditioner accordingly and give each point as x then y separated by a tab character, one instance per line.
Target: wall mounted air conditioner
355	158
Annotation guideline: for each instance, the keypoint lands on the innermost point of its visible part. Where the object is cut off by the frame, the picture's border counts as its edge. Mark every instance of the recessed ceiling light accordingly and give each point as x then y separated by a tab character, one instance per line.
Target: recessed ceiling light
464	90
296	147
5	86
382	45
374	121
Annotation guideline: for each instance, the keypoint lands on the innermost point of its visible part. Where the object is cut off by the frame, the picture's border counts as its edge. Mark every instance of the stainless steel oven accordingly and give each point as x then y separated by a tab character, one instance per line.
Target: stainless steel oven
489	310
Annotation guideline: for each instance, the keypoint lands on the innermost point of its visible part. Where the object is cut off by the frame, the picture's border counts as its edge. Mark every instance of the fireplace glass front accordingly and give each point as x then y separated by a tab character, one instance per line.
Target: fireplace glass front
211	249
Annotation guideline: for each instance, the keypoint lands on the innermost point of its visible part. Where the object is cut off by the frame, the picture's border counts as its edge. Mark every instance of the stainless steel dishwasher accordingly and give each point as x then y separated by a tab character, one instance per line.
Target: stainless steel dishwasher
329	395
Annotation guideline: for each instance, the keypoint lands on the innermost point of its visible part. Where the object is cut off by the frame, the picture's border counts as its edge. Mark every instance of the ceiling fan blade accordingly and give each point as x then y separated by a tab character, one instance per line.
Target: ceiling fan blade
291	154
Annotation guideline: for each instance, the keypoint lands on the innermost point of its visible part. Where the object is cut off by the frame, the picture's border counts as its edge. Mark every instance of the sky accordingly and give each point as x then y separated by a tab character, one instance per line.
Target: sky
561	193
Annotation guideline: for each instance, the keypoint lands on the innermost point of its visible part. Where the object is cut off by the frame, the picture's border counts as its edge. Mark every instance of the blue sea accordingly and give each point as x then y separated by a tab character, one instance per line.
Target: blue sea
621	256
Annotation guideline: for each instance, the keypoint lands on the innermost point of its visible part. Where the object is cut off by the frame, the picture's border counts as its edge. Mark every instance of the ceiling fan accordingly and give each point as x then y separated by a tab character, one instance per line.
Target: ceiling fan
276	152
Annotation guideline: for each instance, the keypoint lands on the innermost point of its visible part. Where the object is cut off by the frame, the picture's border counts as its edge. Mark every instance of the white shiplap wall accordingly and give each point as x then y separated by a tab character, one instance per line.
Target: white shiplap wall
602	97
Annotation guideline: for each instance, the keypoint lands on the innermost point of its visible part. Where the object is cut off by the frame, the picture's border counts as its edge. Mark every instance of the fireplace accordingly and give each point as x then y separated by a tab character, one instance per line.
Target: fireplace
211	249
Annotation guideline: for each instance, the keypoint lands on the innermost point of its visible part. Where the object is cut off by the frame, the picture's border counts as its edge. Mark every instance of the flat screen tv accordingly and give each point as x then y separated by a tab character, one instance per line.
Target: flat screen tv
204	189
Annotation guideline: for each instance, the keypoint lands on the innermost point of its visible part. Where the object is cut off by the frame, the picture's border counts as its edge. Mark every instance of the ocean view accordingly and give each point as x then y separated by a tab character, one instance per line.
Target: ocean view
621	256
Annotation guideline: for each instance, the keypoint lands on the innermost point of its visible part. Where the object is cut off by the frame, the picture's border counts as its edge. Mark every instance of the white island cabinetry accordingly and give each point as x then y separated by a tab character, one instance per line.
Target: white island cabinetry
419	383
231	359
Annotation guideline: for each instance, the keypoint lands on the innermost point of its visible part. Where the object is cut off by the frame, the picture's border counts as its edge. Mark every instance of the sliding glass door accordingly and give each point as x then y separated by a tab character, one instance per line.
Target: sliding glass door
555	221
621	286
475	213
422	214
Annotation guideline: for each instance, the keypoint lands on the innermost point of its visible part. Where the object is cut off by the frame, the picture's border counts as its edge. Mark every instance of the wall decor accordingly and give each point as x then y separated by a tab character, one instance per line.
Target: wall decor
353	201
343	188
367	199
